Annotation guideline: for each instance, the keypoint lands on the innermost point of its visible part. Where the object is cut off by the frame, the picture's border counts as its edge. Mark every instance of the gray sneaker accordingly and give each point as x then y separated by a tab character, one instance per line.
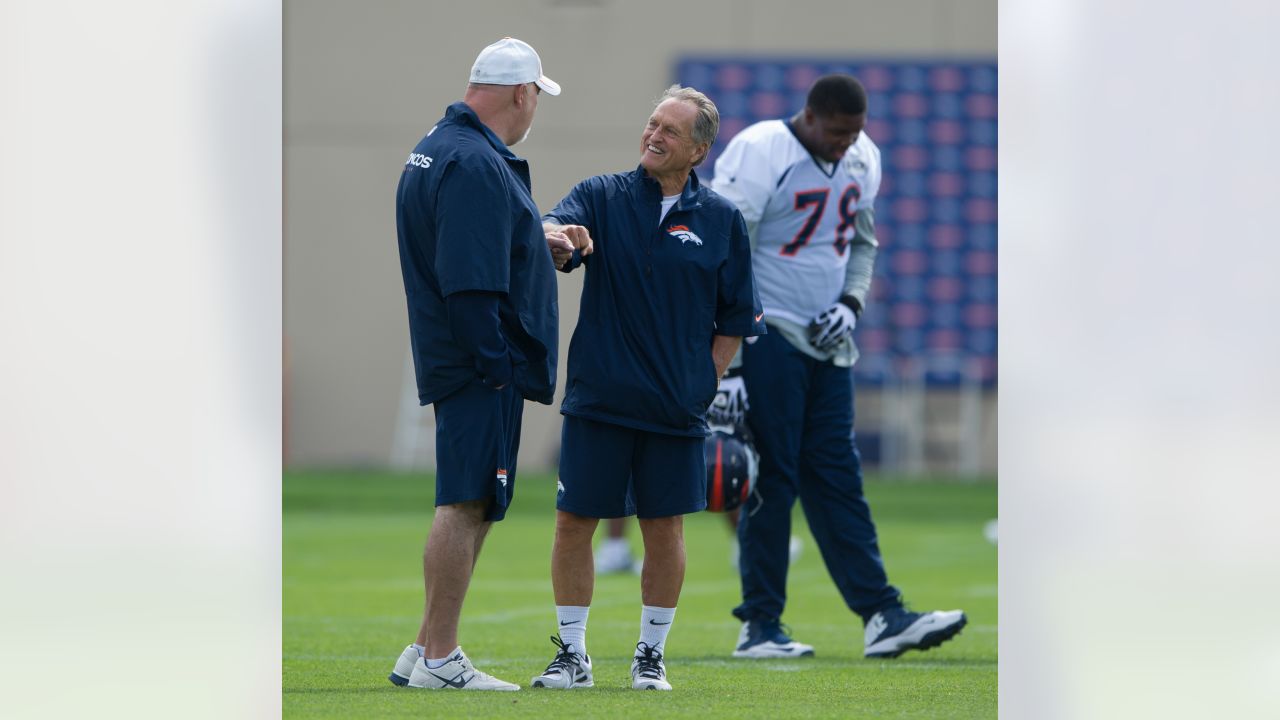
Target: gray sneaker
404	667
567	670
647	670
457	674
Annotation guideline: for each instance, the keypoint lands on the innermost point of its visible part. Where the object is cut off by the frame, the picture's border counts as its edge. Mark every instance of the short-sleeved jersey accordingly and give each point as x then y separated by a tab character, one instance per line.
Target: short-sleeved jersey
800	214
655	293
467	221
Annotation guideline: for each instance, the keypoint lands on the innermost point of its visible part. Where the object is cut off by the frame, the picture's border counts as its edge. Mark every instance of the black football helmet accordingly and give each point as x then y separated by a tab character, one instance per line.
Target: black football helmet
731	468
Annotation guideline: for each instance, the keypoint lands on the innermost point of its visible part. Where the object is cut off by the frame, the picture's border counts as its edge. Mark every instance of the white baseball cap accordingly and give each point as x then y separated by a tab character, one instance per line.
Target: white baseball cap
511	62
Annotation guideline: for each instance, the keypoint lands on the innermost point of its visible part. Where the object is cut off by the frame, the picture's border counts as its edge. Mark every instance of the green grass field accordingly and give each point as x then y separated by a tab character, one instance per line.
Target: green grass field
353	598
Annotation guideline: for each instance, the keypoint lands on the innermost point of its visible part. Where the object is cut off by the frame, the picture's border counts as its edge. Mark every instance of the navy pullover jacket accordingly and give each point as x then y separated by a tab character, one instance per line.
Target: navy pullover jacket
654	295
468	226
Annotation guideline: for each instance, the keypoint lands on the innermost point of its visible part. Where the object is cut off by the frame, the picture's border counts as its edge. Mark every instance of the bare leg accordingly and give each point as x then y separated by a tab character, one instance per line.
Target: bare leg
484	533
453	545
663	573
573	574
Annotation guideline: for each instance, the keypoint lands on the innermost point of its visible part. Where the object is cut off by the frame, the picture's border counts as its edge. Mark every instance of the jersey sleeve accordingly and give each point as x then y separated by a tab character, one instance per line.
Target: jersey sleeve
862	257
863	248
473	229
869	193
738	310
744	176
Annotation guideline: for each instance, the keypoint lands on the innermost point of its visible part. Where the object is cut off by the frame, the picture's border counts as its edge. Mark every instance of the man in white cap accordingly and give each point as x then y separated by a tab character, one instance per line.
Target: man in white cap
481	290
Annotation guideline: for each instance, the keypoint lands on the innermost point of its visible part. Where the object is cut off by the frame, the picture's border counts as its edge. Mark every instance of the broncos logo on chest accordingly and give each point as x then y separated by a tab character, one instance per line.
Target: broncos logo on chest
684	234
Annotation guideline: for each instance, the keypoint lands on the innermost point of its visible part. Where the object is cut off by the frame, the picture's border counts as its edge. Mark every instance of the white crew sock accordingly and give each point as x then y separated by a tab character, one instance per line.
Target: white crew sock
573	626
422	649
655	623
435	663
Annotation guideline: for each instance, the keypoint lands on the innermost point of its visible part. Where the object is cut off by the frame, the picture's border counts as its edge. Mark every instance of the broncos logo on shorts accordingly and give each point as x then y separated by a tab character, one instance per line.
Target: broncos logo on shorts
684	234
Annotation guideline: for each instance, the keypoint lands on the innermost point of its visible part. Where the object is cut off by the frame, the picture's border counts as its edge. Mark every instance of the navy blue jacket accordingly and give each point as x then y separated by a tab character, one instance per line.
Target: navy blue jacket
467	222
654	295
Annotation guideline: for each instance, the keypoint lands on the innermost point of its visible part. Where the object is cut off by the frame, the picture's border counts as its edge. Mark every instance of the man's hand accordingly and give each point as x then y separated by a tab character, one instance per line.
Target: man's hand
730	404
562	240
831	327
561	247
580	238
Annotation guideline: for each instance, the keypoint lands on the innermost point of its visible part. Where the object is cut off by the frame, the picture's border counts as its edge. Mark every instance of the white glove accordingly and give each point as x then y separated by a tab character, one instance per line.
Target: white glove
730	405
831	327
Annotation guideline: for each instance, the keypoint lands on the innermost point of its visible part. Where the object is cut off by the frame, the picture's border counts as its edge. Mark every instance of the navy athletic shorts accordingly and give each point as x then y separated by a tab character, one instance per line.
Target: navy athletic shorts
477	436
609	471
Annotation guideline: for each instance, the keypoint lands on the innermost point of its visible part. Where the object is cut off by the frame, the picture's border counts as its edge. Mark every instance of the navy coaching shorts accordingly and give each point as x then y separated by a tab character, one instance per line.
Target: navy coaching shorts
609	471
477	436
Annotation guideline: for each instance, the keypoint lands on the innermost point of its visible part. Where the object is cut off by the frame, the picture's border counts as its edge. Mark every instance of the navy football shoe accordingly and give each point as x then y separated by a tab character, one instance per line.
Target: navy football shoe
896	630
768	639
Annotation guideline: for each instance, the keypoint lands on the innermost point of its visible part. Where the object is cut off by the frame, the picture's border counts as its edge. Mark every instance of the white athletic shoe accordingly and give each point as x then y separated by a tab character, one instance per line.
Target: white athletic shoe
897	630
457	674
647	670
404	666
768	640
613	556
567	670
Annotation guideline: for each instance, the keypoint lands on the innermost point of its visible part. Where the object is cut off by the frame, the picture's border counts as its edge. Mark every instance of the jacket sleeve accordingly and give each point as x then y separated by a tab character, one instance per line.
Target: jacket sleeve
738	311
473	320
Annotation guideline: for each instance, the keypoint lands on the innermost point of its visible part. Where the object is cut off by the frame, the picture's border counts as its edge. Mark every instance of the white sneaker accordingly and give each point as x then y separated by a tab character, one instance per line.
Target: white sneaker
768	640
647	670
897	630
568	670
404	666
613	556
457	674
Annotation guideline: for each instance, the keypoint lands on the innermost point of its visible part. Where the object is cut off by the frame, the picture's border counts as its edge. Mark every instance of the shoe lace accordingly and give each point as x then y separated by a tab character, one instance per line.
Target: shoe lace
564	658
648	661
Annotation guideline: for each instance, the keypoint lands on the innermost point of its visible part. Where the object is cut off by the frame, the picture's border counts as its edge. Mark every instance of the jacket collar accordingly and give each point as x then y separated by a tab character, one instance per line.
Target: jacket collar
462	114
648	188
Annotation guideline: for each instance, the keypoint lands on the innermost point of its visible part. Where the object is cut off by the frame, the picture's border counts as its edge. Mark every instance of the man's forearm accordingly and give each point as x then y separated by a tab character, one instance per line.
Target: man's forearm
723	348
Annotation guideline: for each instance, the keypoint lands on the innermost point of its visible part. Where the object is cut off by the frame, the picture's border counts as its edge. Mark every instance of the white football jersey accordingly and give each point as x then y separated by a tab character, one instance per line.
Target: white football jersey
800	214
